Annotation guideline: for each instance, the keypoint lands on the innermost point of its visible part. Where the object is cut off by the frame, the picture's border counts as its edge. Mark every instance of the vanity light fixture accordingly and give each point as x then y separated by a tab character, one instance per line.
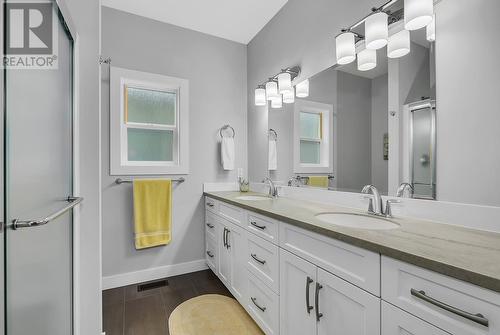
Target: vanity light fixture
376	30
418	13
275	86
430	30
277	102
345	47
284	82
272	90
289	97
367	59
302	89
399	41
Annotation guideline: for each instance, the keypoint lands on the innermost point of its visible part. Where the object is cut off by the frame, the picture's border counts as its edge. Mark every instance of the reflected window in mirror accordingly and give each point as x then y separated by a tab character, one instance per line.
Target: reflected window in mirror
313	127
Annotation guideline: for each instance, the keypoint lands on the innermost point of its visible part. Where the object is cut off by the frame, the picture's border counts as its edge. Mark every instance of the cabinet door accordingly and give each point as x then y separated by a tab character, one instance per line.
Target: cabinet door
297	282
395	321
224	256
236	241
344	308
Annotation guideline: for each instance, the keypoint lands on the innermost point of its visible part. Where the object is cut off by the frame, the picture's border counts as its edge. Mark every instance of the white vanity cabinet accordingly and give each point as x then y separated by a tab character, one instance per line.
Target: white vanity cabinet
293	281
232	257
314	301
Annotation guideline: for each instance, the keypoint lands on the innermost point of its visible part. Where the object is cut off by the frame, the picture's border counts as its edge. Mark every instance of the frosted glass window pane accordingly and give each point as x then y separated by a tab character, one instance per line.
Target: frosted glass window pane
310	125
150	106
150	145
310	152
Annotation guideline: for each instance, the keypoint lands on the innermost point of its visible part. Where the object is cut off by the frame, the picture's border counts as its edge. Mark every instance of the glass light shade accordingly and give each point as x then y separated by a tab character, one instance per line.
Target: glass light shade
399	44
271	90
367	59
284	82
430	30
345	48
260	97
376	31
289	97
302	89
277	102
418	13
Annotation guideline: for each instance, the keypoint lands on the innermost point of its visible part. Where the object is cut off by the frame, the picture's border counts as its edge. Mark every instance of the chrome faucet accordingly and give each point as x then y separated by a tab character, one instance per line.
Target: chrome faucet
400	193
273	190
375	206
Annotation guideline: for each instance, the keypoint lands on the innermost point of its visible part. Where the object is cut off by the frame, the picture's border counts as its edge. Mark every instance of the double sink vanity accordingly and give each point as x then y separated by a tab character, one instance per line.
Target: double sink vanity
301	267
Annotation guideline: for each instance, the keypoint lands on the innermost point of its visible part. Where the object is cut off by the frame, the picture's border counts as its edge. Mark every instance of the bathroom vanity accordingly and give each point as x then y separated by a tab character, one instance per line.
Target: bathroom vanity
297	274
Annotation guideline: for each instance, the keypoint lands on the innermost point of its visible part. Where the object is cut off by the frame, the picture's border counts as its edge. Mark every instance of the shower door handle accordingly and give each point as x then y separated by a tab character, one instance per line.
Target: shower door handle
72	202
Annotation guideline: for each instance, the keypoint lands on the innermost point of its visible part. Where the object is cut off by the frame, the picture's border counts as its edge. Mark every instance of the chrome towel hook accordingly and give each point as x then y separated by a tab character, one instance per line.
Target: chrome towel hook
225	127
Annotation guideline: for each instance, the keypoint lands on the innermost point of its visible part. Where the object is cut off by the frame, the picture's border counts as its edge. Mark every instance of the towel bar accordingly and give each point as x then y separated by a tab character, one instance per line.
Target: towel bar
123	181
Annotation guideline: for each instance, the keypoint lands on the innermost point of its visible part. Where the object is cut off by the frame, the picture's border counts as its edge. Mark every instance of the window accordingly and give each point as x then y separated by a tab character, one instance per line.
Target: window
148	123
313	137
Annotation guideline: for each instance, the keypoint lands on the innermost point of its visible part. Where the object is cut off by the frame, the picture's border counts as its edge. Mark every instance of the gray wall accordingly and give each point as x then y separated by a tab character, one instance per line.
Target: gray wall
354	132
86	17
379	127
468	117
216	70
467	112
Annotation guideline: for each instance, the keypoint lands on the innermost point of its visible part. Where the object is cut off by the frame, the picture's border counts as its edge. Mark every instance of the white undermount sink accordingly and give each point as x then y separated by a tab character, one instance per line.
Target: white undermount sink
253	197
358	221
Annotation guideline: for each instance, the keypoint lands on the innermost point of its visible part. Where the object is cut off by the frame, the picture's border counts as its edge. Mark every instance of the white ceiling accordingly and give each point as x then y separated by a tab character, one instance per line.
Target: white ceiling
235	20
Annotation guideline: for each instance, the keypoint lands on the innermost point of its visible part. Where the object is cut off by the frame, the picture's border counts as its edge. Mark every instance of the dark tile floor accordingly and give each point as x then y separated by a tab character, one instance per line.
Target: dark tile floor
129	312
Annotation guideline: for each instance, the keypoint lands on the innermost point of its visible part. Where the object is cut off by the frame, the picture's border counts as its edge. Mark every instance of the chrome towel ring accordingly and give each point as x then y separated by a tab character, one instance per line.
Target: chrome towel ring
225	127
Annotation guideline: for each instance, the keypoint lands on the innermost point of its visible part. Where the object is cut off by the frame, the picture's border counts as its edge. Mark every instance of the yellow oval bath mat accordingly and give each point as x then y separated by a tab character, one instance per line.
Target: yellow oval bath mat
211	314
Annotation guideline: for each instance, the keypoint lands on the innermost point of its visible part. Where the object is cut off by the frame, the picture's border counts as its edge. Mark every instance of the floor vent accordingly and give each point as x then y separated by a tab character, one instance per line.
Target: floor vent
152	285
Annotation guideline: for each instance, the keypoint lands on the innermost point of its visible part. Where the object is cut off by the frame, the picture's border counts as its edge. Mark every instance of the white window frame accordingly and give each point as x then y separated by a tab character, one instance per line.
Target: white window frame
119	164
327	151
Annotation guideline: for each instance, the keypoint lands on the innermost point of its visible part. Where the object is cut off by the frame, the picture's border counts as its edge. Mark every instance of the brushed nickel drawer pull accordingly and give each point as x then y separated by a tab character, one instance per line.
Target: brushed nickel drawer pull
308	304
253	223
209	204
209	225
254	300
318	314
210	254
477	318
257	259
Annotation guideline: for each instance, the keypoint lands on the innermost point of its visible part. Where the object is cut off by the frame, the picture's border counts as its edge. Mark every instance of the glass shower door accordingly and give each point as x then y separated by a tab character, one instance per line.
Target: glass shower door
38	195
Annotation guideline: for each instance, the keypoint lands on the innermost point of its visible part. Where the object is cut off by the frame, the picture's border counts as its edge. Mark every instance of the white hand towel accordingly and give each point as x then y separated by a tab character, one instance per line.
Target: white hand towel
273	155
227	153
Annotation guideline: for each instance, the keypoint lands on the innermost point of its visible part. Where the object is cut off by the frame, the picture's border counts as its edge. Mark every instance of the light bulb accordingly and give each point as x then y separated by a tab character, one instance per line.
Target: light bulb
376	31
284	82
276	102
367	59
430	30
399	44
345	48
418	13
302	89
271	90
289	97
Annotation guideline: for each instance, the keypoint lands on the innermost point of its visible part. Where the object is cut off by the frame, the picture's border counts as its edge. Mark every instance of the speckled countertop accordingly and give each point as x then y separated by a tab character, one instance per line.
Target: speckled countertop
466	254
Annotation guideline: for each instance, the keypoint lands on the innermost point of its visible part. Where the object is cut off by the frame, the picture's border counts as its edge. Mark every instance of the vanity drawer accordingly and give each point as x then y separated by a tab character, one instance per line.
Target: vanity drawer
355	265
211	205
210	225
211	253
263	261
404	285
397	322
232	213
264	227
263	305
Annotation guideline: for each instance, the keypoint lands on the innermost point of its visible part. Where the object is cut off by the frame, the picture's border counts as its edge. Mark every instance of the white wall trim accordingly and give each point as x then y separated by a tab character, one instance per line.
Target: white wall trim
141	276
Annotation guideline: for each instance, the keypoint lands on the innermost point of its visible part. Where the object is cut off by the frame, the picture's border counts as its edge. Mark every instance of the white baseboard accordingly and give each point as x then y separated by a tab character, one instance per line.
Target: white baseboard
145	275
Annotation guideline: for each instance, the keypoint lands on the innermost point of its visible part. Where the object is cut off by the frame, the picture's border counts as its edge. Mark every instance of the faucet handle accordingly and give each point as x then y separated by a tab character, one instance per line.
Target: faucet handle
388	207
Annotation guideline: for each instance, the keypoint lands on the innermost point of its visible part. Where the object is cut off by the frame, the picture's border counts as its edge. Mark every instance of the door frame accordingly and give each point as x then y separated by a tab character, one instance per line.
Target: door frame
71	28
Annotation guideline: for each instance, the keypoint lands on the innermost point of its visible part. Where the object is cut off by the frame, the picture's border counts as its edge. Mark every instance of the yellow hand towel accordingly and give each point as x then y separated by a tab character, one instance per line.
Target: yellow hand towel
318	181
152	212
